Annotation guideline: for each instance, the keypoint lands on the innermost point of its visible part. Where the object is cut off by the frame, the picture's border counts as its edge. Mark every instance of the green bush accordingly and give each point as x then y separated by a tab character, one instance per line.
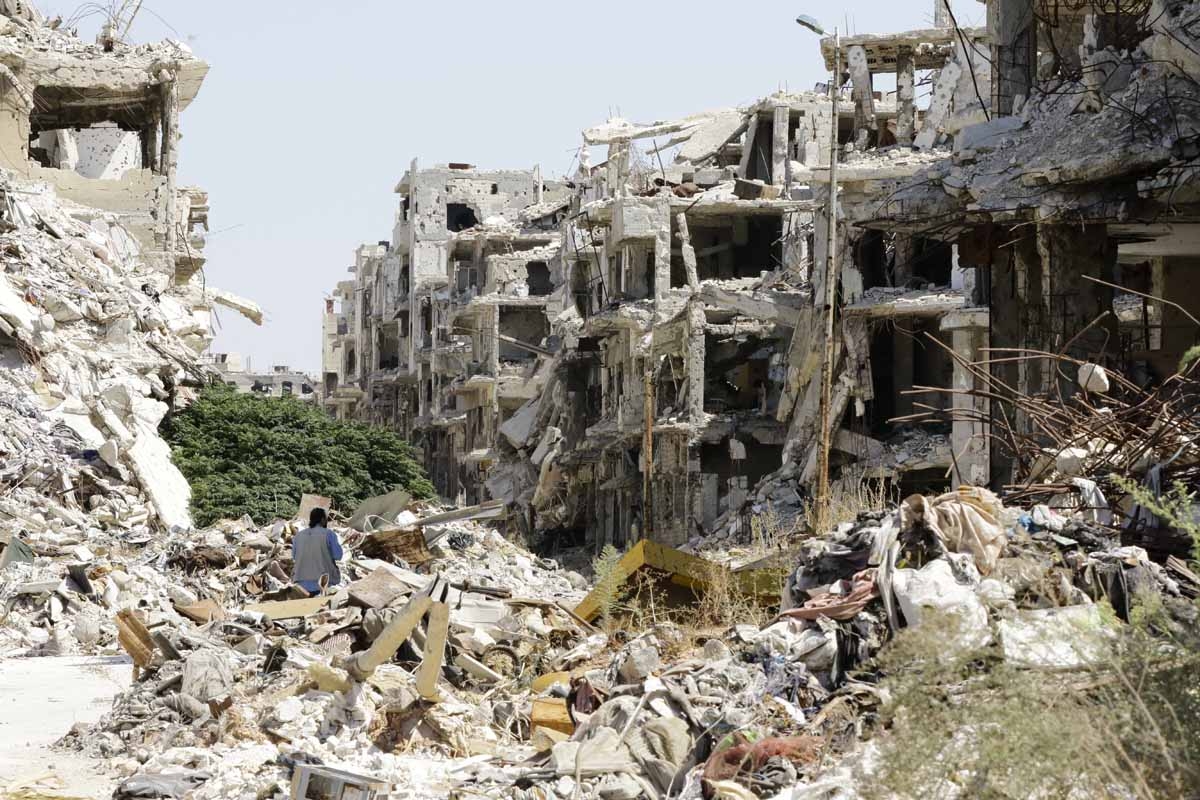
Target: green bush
246	454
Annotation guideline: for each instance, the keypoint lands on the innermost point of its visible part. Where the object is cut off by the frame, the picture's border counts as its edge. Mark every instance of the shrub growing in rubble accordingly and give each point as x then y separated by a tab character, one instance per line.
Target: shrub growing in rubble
245	454
961	724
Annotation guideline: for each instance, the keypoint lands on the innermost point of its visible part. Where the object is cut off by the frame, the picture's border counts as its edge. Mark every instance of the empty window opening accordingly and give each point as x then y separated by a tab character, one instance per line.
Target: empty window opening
351	362
467	277
460	217
96	134
389	347
405	271
742	247
762	460
759	166
903	357
537	278
286	388
670	387
524	324
495	188
737	375
932	261
331	382
587	290
874	259
426	325
584	384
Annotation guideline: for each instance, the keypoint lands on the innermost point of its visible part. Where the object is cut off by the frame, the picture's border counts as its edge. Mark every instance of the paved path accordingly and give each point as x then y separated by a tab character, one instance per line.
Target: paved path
40	699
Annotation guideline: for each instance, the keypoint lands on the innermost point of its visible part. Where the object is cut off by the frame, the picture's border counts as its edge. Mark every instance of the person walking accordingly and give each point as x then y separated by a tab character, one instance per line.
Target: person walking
315	553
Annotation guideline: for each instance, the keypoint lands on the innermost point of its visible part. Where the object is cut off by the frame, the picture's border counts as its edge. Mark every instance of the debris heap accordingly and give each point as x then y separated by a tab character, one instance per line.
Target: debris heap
455	663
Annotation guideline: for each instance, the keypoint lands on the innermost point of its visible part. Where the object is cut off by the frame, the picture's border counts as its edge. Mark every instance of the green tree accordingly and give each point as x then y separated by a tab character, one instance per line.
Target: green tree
246	454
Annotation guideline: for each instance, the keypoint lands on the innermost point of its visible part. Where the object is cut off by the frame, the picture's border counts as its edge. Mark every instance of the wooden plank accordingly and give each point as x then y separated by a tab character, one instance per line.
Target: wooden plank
310	501
202	612
544	682
489	510
134	638
435	651
407	543
291	609
551	713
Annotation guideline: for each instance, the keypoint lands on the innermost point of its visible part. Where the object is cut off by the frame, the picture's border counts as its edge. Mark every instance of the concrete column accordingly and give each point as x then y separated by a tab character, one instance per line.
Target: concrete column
695	360
1069	302
906	113
1029	281
1005	331
153	149
795	245
939	104
902	268
170	162
902	367
617	152
748	147
941	14
779	146
864	97
969	438
1014	52
662	251
689	252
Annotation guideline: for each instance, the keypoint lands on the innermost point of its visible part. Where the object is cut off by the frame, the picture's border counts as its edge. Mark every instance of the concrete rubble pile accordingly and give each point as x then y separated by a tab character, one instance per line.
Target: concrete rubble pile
211	617
97	346
471	673
103	311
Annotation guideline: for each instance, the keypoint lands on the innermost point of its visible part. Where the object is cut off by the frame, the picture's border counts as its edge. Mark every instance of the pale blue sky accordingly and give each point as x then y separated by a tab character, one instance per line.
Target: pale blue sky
313	110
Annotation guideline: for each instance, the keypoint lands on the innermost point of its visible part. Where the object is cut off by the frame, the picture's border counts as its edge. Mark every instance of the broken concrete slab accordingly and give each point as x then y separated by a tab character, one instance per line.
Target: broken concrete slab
290	609
378	590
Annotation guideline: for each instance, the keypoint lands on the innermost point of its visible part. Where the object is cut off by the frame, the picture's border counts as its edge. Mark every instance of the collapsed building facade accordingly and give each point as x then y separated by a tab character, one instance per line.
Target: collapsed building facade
441	333
103	308
637	351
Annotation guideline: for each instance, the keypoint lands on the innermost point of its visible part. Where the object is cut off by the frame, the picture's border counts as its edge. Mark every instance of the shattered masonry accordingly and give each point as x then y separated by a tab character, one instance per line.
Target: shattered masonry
518	329
103	309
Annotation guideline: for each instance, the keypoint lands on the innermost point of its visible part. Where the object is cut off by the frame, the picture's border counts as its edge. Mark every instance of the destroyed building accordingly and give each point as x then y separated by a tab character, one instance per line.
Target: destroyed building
666	380
636	352
103	308
443	332
279	381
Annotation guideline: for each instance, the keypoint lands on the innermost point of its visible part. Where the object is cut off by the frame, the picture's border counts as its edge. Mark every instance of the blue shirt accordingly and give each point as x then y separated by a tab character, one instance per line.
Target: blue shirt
310	565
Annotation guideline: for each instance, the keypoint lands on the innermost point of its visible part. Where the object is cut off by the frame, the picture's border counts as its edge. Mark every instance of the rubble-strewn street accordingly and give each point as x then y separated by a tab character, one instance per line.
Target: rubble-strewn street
842	444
